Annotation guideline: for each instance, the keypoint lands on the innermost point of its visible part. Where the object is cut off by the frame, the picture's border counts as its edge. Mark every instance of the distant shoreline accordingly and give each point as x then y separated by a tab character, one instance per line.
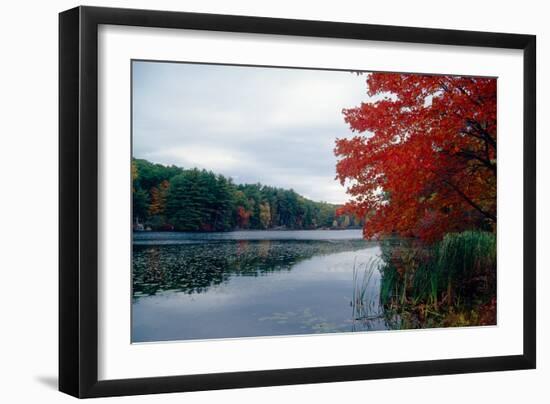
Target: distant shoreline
246	230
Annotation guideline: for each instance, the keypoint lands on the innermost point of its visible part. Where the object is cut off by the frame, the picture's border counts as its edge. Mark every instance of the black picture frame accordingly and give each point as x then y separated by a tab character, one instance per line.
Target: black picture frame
78	201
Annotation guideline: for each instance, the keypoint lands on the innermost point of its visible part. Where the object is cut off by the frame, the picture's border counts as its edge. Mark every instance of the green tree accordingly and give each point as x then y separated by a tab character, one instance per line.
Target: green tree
199	200
139	205
185	205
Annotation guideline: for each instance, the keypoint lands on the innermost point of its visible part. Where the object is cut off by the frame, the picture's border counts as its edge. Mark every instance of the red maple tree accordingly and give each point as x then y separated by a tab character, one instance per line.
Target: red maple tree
423	161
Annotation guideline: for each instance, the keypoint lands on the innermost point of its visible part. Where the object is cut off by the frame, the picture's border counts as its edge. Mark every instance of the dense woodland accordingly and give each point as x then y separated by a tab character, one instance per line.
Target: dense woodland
173	198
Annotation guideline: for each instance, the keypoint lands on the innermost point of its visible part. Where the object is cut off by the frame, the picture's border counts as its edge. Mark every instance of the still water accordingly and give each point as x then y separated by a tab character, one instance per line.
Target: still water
253	283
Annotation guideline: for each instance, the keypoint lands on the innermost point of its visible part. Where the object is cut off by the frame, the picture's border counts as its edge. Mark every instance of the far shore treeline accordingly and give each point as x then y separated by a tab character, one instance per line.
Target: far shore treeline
170	198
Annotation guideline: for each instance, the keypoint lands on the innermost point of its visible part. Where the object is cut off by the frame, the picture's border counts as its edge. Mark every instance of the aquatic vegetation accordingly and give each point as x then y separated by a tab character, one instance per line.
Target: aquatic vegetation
233	288
365	297
194	267
450	283
307	320
240	288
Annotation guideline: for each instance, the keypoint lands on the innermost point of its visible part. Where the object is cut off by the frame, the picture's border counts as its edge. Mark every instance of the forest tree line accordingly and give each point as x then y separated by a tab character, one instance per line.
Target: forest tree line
173	198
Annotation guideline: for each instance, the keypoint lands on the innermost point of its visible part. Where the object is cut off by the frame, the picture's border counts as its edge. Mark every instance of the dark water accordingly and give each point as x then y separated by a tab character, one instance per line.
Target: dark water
253	283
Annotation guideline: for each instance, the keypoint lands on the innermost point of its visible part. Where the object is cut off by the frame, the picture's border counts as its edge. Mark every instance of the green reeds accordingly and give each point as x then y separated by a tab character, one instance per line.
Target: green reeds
466	261
460	269
364	304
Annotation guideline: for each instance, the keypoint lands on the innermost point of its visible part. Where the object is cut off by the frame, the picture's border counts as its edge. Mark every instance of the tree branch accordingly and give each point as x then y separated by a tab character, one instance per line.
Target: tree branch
471	202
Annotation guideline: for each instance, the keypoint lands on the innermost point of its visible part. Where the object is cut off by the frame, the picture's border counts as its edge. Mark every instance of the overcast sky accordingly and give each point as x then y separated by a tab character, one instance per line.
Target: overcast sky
270	125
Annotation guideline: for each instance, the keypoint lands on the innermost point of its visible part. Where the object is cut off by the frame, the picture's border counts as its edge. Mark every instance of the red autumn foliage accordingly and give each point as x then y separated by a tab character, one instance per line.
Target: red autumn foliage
243	217
423	160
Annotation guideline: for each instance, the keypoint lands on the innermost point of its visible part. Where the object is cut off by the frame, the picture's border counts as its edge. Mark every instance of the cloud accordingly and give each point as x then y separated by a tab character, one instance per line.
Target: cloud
210	158
270	125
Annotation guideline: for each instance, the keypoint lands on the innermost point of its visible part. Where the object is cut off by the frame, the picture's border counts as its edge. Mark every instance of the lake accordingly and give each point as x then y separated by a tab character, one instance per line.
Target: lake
253	283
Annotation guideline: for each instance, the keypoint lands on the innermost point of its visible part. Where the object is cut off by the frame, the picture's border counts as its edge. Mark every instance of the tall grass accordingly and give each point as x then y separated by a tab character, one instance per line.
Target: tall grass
458	270
365	305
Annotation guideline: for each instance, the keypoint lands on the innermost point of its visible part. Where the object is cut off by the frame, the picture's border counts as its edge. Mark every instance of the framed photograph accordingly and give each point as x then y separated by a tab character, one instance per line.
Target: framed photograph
251	201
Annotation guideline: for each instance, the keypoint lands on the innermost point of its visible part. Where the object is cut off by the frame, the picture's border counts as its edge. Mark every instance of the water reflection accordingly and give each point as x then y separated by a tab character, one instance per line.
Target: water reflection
193	268
224	288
